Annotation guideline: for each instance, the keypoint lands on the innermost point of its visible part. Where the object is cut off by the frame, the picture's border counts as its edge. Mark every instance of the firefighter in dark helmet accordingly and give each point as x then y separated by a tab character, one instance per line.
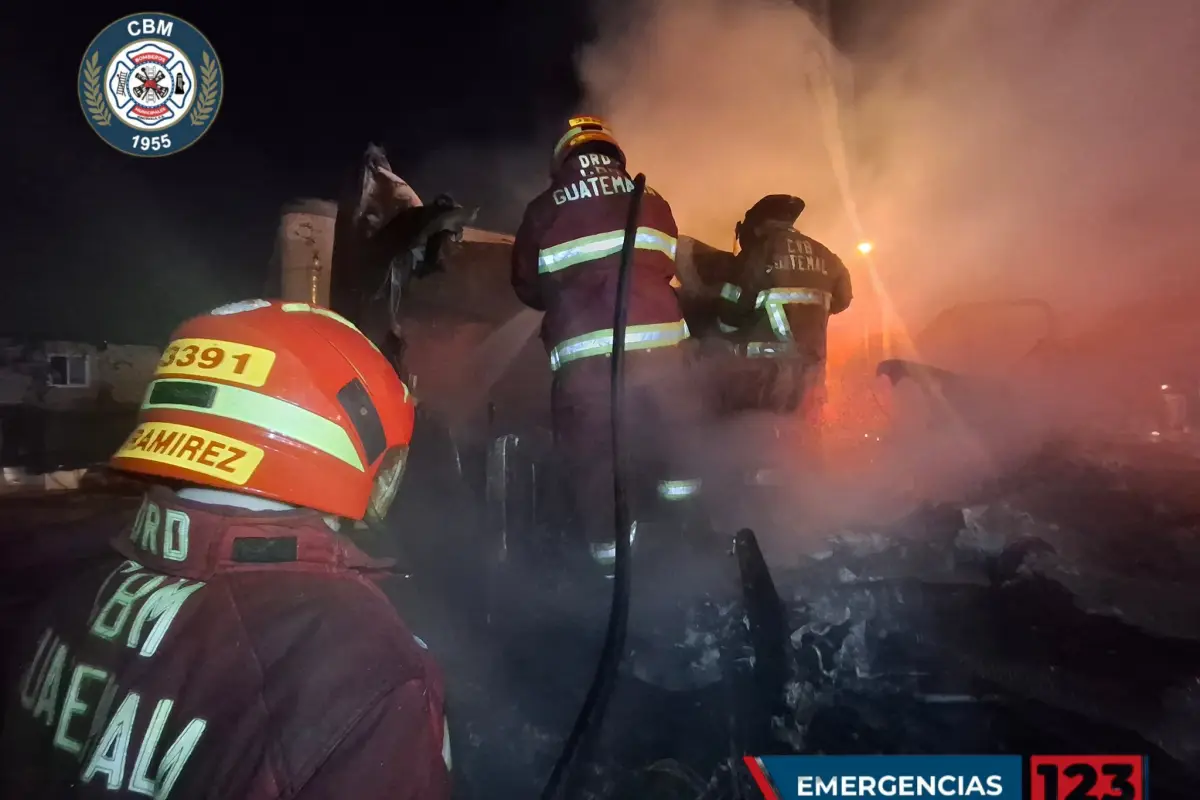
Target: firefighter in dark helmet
566	259
775	311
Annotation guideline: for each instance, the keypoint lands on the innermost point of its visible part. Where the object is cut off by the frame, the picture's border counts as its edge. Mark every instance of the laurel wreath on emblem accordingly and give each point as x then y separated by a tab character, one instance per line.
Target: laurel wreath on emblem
97	107
206	97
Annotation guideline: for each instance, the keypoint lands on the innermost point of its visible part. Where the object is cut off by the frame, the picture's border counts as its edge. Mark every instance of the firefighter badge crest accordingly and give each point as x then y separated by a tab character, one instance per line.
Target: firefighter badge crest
150	85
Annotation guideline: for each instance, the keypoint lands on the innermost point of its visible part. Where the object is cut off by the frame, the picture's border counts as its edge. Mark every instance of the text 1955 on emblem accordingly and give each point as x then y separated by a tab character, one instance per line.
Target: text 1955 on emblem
150	84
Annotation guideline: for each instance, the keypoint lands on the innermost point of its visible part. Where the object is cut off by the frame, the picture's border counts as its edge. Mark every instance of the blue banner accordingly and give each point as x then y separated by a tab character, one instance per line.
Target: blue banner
933	777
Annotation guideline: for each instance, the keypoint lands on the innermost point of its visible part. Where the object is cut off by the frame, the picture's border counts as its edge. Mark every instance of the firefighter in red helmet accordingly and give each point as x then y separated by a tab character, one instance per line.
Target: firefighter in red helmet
234	642
566	260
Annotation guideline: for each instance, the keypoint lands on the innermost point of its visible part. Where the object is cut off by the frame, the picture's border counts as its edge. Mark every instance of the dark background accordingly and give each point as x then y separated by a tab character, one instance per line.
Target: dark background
102	245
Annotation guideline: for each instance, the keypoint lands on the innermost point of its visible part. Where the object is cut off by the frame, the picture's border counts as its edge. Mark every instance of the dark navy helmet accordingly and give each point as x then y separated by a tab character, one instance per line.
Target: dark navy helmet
782	209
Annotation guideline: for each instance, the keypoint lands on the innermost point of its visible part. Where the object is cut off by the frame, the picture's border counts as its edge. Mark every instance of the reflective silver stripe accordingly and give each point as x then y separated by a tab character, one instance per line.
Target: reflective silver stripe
773	300
606	553
600	343
779	320
731	293
601	245
726	328
809	297
768	477
769	349
678	490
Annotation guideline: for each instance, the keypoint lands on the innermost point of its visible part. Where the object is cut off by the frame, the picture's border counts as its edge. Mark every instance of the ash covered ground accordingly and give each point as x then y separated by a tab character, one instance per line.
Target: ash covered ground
1052	610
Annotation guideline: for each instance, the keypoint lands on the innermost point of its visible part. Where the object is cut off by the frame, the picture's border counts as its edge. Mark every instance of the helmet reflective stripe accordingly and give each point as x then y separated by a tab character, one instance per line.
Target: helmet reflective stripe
333	315
596	122
239	307
567	137
269	413
602	245
324	312
576	126
600	343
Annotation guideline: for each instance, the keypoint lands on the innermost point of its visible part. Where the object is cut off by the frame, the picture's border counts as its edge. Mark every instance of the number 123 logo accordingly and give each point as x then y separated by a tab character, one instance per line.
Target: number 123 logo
1087	777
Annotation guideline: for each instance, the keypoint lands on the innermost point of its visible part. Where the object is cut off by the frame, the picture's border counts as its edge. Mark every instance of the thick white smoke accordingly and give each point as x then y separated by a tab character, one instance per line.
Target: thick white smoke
1030	147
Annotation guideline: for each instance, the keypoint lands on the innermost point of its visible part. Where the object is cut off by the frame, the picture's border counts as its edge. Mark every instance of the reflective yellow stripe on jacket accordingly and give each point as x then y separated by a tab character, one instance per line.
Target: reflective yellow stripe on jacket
601	245
600	343
773	301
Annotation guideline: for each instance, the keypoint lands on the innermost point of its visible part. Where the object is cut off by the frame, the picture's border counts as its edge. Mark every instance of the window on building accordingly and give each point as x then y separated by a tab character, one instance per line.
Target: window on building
68	370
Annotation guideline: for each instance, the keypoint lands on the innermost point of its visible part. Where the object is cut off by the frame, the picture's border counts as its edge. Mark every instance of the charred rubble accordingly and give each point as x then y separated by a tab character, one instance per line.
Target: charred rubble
1053	612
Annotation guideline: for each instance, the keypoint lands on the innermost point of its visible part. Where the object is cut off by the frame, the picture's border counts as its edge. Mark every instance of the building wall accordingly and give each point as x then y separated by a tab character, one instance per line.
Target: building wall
304	249
32	373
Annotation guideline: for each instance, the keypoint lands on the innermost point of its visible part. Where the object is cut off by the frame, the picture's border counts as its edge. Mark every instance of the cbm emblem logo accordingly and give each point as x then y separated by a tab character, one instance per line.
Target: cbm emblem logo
150	84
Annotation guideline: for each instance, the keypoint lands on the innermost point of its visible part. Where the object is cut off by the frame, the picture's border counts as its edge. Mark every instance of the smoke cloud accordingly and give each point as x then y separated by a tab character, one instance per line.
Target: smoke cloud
1028	148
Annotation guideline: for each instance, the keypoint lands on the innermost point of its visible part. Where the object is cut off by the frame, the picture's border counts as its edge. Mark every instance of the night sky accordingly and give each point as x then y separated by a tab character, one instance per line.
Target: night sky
104	245
101	245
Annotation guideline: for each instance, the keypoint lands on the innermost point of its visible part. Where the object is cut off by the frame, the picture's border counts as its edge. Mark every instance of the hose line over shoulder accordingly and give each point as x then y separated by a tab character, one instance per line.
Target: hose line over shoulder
591	713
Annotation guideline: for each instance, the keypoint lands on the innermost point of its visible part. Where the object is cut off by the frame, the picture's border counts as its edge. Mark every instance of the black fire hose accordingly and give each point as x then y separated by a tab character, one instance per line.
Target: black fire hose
594	704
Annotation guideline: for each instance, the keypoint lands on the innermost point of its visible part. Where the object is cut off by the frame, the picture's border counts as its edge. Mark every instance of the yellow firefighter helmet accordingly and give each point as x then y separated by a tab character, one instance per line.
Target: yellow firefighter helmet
581	131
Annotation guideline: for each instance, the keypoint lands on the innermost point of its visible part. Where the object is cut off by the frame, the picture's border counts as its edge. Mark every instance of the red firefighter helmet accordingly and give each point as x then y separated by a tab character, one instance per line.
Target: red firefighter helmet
281	400
581	131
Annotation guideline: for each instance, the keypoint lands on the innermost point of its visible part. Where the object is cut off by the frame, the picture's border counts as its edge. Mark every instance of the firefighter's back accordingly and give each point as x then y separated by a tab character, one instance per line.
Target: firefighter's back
804	284
584	216
245	662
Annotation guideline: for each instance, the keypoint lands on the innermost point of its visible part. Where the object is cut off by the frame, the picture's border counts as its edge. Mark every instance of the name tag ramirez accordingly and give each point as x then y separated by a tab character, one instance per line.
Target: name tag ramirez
193	449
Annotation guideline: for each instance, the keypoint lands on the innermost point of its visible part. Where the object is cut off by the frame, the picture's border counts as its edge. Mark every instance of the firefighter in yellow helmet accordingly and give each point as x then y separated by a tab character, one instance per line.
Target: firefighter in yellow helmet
565	262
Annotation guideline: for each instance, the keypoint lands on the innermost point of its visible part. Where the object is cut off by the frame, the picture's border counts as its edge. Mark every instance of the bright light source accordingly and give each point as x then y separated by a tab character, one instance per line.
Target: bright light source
1164	387
865	247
